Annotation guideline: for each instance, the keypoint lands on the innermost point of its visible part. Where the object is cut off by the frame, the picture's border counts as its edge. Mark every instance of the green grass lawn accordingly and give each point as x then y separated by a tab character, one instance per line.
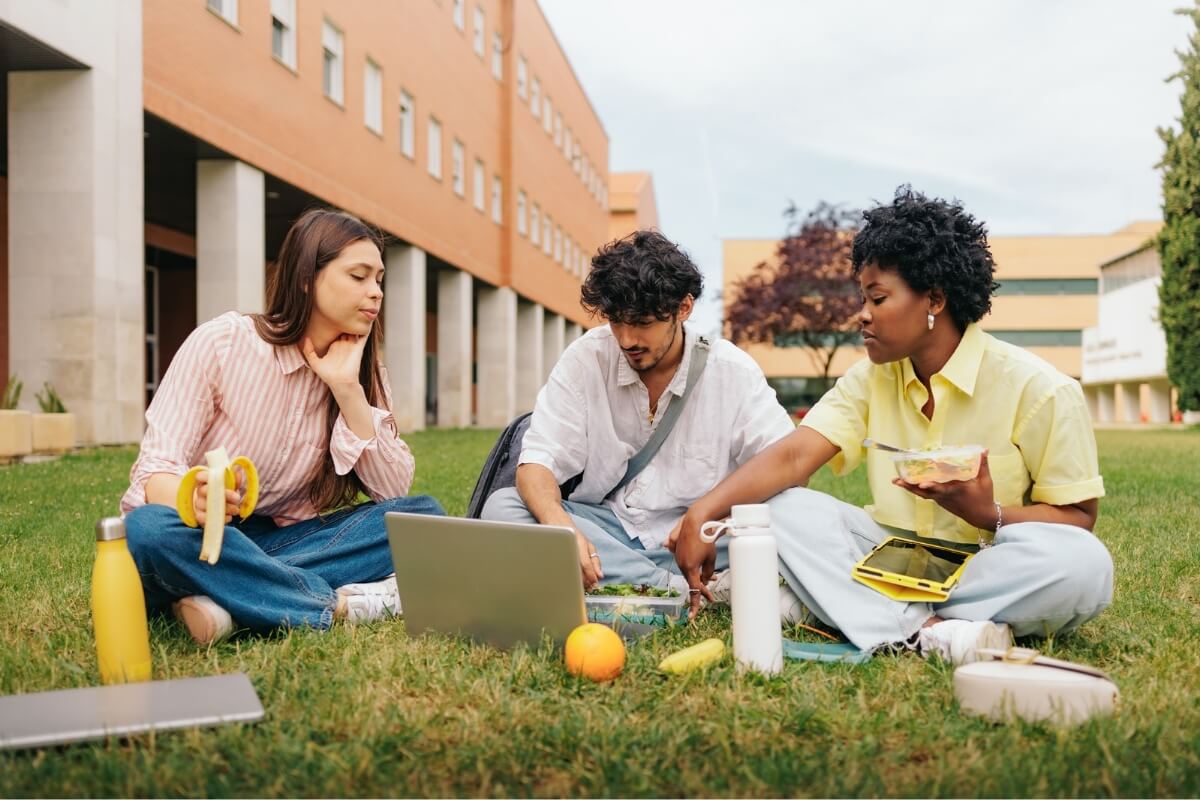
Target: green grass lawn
369	711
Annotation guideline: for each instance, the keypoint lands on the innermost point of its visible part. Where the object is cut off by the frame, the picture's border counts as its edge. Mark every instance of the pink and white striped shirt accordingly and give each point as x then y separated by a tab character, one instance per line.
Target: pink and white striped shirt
226	387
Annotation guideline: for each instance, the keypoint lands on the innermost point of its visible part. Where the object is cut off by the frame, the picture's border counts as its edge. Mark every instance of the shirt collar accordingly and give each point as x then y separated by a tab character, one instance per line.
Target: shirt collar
962	369
288	358
627	375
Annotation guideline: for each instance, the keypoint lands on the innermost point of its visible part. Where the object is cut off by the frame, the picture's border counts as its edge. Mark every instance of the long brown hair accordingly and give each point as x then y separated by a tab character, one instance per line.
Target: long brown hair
314	240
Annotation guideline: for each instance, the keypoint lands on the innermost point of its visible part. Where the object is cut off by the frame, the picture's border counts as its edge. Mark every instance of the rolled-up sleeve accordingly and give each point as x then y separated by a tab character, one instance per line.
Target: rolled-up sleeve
557	435
181	411
383	463
1059	448
841	417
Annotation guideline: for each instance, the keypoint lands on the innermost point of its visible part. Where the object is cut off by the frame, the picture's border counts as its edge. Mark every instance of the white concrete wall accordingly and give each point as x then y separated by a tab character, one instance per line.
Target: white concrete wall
454	351
531	336
75	177
496	338
231	235
404	334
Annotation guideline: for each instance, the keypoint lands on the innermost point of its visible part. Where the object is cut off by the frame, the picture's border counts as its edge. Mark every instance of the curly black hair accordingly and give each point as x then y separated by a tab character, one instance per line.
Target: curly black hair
641	276
933	244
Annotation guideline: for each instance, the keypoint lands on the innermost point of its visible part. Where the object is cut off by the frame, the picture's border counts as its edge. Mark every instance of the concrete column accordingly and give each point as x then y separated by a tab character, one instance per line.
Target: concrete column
1160	401
1091	394
496	400
1106	403
1130	401
75	224
531	338
574	331
230	238
552	342
404	334
454	355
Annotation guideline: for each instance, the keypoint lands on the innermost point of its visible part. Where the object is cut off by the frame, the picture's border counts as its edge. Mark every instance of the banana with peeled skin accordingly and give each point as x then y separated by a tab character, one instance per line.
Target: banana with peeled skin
217	463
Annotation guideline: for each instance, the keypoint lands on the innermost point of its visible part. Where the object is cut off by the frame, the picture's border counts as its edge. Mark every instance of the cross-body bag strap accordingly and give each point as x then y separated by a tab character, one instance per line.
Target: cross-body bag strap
643	456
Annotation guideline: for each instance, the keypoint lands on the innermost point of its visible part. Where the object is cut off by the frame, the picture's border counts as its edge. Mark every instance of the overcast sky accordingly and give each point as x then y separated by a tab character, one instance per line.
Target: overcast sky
1039	115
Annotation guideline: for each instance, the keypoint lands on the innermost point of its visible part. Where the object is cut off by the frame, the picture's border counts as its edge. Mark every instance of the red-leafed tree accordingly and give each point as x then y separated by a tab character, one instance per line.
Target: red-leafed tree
807	295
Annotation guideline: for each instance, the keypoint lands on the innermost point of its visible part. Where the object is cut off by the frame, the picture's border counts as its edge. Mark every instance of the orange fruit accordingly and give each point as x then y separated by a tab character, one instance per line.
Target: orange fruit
595	651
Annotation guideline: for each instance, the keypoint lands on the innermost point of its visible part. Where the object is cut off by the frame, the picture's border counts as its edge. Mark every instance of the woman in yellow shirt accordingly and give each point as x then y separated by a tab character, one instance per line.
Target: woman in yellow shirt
932	378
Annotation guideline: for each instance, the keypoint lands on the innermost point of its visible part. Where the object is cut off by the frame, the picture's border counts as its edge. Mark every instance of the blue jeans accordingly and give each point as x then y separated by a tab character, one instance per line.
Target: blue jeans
268	577
623	559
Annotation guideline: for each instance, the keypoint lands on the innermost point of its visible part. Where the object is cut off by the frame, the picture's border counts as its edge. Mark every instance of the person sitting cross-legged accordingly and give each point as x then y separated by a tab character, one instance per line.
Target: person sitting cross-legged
608	394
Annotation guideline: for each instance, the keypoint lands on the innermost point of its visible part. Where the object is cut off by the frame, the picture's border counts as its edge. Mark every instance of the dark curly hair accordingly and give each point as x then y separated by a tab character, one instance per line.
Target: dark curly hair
933	244
641	276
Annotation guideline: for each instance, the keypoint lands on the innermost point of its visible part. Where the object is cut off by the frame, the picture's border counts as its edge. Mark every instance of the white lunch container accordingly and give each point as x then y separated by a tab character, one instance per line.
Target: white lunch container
1019	683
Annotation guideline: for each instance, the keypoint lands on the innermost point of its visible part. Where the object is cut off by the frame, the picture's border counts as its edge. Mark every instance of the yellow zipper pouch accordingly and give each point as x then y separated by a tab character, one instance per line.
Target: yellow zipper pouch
910	571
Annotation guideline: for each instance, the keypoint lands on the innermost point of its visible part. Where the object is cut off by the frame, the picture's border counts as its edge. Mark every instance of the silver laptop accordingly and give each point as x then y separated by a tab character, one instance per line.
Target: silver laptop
41	719
497	582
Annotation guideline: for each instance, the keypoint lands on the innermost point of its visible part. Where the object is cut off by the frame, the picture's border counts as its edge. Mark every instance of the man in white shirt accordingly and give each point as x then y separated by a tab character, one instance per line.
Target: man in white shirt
605	397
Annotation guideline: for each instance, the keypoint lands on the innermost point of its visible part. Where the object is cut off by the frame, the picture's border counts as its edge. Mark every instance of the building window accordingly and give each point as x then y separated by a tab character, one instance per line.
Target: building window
535	233
535	97
567	254
558	243
586	174
460	14
283	31
226	9
435	148
547	235
497	56
522	77
521	212
477	184
408	125
479	31
497	200
1041	338
373	97
332	64
458	163
567	144
558	129
547	114
1050	286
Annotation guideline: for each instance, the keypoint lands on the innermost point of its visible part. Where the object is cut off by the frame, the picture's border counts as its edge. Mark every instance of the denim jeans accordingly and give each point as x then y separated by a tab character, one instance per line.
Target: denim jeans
267	577
623	559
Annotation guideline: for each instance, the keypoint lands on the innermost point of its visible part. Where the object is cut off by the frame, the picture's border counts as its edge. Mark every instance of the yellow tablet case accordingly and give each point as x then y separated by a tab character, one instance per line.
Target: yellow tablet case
920	581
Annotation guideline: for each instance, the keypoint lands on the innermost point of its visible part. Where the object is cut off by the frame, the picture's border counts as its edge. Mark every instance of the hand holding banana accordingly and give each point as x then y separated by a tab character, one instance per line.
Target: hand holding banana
218	495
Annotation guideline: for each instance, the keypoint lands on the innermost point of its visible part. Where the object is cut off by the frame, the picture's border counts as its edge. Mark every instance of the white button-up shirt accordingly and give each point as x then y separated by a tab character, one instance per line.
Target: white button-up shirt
592	416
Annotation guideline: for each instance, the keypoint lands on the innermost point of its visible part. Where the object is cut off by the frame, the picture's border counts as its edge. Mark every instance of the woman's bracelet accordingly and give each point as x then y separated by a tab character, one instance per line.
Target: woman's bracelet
999	521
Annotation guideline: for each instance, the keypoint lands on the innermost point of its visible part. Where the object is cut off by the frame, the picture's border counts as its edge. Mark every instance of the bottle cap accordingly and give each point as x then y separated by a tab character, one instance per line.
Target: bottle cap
754	515
110	528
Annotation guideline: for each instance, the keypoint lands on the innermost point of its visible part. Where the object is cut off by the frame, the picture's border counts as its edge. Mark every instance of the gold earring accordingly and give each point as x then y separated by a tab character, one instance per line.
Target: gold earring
929	320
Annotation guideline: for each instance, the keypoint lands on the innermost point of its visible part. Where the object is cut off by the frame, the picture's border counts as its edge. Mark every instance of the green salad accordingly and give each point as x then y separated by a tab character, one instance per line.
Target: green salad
632	590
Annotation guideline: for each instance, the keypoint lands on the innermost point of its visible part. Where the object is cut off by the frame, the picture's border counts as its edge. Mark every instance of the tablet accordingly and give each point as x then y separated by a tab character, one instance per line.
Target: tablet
911	571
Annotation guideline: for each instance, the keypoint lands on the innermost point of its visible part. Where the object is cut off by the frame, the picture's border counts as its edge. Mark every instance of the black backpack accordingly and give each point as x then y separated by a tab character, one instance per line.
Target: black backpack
500	469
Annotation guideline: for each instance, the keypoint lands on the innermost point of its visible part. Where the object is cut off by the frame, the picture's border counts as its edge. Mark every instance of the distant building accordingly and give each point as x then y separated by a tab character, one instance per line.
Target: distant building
632	205
1048	297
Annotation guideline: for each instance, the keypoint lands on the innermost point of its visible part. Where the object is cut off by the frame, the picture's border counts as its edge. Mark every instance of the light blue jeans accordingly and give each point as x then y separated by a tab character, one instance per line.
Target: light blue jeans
1040	578
622	559
267	577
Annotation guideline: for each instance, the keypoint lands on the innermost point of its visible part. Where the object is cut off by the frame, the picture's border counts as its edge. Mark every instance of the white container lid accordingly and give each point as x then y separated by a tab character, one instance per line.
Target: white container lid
751	515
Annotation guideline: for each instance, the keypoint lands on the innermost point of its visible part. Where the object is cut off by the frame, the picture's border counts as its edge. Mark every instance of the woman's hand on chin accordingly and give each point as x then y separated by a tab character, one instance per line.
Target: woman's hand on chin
973	501
341	363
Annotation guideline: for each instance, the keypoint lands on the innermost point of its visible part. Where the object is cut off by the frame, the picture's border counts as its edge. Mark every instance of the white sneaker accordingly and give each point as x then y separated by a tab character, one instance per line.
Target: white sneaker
367	602
721	586
791	610
957	640
206	621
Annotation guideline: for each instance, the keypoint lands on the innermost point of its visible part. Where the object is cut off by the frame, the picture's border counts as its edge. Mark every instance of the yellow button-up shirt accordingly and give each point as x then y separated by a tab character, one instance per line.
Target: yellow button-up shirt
1032	418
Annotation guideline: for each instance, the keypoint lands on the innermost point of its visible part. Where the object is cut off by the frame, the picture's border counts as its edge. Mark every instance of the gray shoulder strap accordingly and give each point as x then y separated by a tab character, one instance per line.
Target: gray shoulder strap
643	456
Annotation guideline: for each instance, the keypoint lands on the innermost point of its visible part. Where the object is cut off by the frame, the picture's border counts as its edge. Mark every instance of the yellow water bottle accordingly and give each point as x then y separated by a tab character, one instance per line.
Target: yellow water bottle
118	608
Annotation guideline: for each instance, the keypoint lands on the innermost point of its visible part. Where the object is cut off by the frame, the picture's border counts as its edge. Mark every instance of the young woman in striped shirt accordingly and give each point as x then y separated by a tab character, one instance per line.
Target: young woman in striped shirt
301	391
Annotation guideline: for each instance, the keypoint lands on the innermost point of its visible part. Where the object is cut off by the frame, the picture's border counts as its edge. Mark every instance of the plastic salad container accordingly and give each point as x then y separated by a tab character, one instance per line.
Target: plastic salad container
939	466
641	609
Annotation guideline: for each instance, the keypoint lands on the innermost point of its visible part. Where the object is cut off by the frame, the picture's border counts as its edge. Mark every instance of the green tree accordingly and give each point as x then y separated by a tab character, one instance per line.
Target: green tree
1179	241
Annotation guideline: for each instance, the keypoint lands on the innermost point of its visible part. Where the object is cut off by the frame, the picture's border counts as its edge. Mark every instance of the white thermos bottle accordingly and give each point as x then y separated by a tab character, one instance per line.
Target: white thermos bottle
754	591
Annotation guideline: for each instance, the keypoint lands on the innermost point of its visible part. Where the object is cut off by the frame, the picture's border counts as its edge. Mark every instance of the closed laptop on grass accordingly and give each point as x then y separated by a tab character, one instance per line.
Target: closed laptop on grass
497	582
